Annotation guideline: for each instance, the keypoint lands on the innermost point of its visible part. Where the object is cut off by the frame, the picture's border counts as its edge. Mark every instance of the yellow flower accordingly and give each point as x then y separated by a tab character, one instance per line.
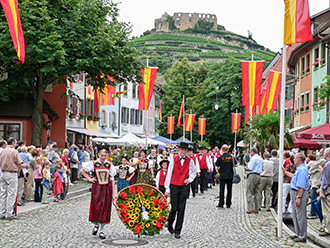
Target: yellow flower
147	202
142	226
147	225
147	206
154	222
131	223
152	198
133	216
156	208
157	215
137	210
136	200
136	220
130	211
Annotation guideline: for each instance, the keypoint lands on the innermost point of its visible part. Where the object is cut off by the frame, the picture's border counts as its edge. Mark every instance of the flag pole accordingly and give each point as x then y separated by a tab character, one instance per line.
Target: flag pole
235	140
183	118
281	148
147	113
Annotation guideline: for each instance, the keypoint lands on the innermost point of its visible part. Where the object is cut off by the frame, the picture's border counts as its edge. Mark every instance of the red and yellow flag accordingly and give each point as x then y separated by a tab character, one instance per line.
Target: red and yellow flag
170	125
297	22
160	111
201	126
10	8
189	122
97	101
273	90
146	89
235	122
262	109
180	114
249	111
251	79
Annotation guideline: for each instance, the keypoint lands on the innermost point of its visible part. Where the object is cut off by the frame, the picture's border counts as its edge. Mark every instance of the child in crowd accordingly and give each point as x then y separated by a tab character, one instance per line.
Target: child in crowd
46	182
57	185
161	175
125	172
64	178
37	180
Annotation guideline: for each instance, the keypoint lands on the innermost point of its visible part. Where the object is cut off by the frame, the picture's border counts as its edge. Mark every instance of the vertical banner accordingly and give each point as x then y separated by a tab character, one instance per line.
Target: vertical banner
146	89
189	122
248	113
201	126
251	79
96	100
262	106
297	22
180	114
170	125
160	111
273	90
10	8
235	122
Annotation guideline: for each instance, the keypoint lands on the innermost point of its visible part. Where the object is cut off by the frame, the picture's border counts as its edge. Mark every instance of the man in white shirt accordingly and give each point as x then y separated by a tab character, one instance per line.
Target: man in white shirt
266	182
3	145
181	172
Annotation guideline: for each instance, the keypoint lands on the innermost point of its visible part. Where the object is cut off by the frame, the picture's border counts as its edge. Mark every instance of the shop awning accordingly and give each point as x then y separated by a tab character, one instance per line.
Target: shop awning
298	129
92	133
305	144
319	134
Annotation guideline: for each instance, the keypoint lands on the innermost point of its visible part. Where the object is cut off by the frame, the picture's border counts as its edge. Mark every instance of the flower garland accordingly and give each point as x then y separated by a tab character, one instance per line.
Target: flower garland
143	209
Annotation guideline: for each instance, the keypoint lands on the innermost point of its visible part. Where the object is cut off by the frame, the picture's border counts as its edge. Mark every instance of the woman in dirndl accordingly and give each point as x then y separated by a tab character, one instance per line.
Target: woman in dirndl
143	168
103	190
125	174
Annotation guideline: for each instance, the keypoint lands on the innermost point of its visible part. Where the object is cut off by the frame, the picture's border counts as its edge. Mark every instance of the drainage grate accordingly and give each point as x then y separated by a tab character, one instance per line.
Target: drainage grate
125	242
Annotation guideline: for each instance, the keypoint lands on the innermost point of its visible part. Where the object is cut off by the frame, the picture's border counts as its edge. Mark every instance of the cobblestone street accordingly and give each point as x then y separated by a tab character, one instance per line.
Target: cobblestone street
66	225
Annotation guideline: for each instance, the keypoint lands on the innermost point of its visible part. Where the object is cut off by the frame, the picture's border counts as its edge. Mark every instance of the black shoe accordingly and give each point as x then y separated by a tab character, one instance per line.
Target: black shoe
170	229
95	230
294	236
177	235
202	192
194	196
101	235
219	206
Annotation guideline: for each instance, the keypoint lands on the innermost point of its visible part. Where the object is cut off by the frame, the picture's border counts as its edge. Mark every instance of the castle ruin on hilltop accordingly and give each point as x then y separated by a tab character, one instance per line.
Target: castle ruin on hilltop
183	21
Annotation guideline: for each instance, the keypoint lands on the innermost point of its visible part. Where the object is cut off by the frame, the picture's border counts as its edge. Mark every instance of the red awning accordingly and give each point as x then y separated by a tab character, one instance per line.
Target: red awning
320	134
305	144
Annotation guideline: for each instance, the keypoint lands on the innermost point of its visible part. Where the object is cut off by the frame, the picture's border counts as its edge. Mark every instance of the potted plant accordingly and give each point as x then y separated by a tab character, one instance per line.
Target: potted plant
82	115
90	117
96	117
72	114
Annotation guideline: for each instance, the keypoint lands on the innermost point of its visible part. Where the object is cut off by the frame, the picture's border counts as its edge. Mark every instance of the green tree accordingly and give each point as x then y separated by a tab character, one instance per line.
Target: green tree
64	37
183	79
264	132
227	76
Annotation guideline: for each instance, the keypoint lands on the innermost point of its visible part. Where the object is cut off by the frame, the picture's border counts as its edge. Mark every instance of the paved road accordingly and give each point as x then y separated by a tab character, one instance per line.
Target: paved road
65	225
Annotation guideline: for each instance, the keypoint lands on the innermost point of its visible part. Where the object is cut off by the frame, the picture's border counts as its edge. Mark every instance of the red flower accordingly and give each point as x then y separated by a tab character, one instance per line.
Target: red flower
156	201
159	225
161	218
131	189
123	195
123	206
151	192
140	190
162	206
137	228
126	219
124	212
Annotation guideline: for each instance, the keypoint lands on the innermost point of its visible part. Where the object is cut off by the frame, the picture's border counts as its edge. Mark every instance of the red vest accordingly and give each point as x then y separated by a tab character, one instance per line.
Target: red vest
180	172
202	162
162	177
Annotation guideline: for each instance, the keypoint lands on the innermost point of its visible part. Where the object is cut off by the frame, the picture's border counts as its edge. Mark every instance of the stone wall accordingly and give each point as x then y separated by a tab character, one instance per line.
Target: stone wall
184	21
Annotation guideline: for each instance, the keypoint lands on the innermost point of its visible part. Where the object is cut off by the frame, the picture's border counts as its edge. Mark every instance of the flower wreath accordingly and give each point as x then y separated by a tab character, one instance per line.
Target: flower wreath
143	209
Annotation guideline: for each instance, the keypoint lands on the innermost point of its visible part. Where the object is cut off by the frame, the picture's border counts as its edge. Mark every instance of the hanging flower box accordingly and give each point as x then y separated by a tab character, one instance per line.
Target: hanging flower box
307	107
82	115
72	114
96	117
322	62
90	117
316	65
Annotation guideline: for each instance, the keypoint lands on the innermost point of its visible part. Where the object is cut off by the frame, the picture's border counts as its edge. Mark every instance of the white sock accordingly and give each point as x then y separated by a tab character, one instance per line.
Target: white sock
102	228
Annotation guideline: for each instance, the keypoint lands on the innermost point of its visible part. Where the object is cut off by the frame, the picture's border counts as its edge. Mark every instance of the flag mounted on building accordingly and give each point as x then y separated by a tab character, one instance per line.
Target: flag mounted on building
235	122
170	125
189	122
249	112
160	111
273	90
297	22
180	114
251	79
10	8
146	89
201	126
262	107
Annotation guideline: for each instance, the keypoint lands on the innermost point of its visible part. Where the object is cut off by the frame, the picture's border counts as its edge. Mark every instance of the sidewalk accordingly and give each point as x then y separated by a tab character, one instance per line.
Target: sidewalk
313	233
80	188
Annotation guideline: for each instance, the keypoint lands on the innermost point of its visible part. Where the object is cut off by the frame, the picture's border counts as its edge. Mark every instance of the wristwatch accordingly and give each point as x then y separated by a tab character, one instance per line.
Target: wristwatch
298	197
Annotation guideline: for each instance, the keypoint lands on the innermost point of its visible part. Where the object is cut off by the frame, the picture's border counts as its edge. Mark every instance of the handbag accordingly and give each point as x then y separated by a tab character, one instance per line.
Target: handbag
46	183
236	177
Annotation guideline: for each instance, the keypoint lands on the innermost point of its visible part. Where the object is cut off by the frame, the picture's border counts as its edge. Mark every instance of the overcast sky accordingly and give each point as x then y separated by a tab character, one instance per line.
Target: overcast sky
264	18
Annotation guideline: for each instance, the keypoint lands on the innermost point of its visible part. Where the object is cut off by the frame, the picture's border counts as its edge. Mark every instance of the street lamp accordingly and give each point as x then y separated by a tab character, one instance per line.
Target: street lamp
216	106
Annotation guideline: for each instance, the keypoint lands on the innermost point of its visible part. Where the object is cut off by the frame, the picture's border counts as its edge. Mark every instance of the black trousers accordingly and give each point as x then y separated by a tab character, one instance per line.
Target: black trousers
193	186
162	189
274	190
203	180
74	174
229	183
179	196
38	190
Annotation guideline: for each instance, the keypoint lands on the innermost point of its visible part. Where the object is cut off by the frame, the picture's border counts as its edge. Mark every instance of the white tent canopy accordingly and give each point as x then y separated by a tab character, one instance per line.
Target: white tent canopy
153	142
241	144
